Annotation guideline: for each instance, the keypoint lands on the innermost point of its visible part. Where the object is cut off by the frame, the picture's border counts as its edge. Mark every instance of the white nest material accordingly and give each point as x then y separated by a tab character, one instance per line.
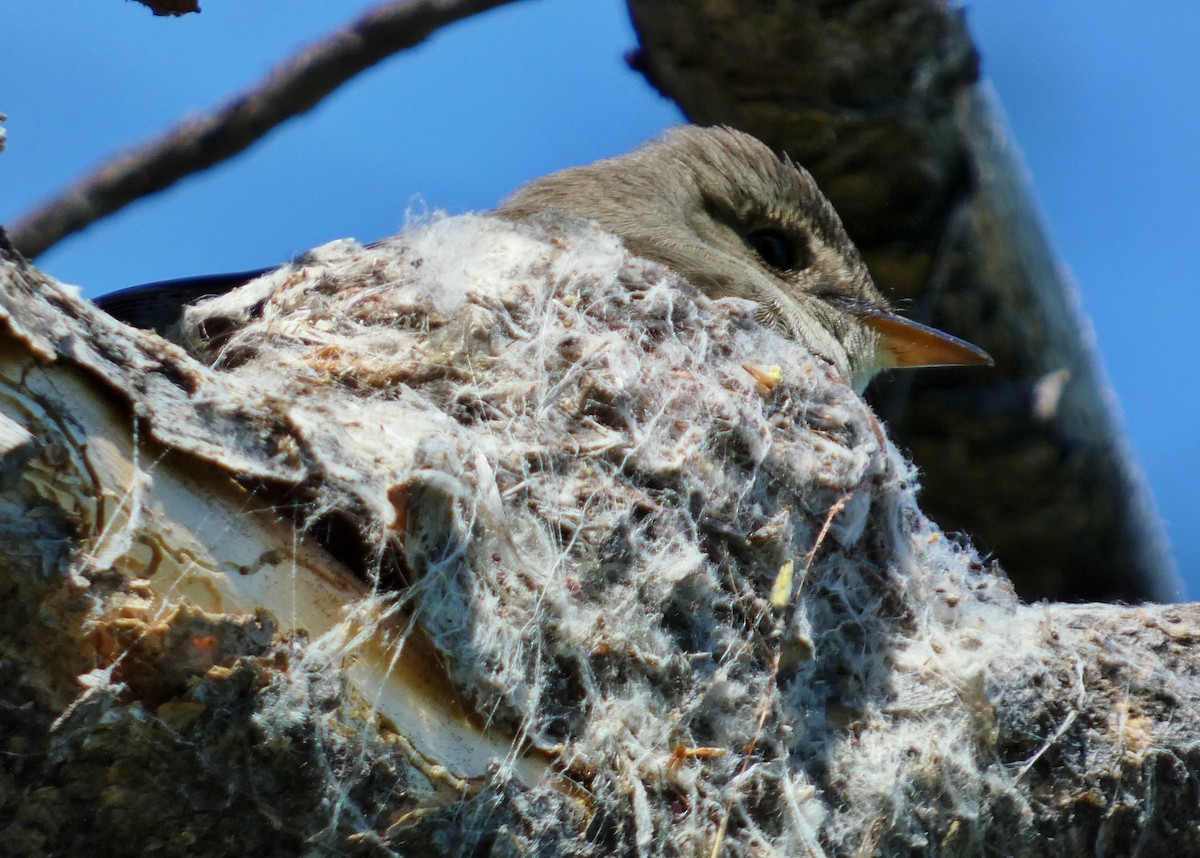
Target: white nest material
593	497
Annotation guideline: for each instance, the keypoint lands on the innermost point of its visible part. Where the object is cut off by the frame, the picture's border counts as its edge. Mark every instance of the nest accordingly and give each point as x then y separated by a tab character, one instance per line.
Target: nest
650	539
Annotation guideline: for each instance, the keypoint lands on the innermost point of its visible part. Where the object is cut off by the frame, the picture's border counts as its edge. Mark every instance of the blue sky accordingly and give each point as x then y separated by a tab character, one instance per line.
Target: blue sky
1100	96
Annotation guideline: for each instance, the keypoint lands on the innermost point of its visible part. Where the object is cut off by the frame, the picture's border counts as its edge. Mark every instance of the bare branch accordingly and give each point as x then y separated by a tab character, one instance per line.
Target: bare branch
198	143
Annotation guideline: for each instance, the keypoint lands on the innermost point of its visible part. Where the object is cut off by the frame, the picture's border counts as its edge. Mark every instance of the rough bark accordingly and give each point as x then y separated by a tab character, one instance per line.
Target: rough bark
598	589
881	100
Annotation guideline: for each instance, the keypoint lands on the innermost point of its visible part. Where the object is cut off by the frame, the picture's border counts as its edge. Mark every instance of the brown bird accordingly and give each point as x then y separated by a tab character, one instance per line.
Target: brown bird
731	217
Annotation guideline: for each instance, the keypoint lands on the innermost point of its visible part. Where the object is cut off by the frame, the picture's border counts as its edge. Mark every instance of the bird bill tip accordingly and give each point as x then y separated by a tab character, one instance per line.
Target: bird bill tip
911	344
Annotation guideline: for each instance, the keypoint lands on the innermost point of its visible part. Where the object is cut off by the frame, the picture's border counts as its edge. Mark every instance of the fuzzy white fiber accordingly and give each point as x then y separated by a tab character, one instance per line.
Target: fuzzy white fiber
602	484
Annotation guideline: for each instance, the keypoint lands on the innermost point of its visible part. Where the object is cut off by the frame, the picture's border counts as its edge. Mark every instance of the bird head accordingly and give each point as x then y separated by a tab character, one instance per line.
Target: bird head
736	220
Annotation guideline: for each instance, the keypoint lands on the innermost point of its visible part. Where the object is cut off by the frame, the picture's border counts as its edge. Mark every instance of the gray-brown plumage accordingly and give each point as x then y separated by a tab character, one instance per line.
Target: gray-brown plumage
731	217
735	219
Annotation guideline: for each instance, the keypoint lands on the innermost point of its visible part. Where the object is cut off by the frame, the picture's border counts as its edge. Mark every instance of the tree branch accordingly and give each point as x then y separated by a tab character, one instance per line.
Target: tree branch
296	86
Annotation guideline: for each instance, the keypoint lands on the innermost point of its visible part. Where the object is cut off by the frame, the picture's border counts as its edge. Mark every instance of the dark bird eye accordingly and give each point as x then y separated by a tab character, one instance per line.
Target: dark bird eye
777	249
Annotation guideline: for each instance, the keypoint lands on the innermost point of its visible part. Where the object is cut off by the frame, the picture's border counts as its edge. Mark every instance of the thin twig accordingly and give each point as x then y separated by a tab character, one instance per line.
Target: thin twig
294	87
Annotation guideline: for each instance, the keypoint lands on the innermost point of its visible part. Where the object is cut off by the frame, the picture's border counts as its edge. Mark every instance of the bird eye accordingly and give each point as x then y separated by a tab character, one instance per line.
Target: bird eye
775	248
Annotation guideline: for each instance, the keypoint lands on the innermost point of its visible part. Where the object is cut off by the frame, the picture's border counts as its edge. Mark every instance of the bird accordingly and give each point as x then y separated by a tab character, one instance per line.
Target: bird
725	212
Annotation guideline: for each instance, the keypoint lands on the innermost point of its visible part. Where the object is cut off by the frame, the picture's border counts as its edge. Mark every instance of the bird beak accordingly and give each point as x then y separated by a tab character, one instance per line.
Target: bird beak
908	344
